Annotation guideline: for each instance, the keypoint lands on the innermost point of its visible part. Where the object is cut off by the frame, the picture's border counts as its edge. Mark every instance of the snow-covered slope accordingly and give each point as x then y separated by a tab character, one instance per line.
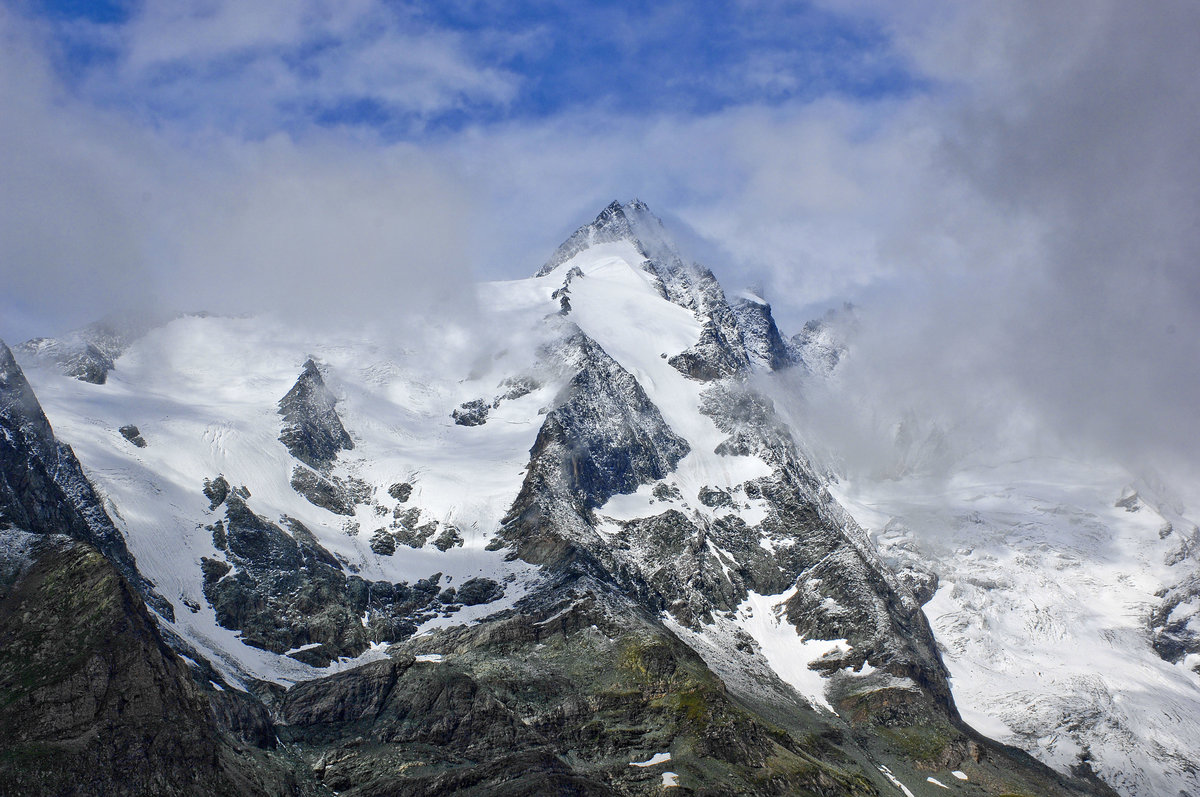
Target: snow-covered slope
1047	582
204	392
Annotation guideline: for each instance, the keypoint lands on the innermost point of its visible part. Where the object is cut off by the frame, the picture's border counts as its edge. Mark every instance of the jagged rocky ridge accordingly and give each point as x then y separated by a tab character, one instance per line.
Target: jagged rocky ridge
43	488
629	642
93	702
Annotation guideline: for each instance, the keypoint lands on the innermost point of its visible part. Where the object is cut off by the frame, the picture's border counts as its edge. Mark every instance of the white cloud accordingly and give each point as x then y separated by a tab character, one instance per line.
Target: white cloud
257	67
98	213
1025	229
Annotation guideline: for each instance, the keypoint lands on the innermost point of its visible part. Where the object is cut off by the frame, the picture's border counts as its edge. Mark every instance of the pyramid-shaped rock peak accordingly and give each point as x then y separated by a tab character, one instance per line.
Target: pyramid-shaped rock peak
312	430
631	222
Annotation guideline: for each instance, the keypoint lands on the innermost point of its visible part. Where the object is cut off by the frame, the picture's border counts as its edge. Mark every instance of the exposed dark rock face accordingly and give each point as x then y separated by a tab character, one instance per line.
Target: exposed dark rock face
448	539
328	493
713	498
383	543
1173	621
713	357
284	591
475	591
408	529
312	430
133	435
765	347
216	491
77	358
400	491
471	413
92	702
603	437
42	486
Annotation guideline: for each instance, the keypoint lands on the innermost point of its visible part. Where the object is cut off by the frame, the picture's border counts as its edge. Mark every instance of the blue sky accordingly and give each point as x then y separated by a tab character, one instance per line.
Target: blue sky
414	70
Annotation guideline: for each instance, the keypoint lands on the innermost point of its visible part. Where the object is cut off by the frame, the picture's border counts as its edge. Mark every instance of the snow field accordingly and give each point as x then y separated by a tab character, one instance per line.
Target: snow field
1045	590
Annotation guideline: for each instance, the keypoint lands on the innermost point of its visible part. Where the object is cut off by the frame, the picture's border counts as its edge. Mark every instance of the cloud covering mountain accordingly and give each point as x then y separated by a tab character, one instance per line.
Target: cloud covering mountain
1009	189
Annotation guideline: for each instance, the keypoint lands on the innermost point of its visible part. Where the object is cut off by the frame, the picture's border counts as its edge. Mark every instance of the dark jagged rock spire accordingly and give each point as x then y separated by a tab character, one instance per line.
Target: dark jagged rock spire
312	430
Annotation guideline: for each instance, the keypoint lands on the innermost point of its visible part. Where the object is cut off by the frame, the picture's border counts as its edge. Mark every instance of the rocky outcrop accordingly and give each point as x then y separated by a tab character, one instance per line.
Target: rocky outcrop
604	436
133	435
286	593
92	702
712	357
312	430
471	413
42	485
765	347
334	493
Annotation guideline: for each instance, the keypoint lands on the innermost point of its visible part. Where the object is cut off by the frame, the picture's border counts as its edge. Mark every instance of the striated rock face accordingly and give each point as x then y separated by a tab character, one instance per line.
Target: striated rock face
604	437
91	700
42	486
312	430
765	347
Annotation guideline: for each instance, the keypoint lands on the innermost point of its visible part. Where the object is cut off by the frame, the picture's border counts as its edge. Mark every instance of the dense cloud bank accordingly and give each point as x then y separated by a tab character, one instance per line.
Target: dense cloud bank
1019	231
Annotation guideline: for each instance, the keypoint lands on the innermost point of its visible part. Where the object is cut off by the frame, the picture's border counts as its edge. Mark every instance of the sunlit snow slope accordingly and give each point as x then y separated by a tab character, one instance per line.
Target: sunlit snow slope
203	391
1046	586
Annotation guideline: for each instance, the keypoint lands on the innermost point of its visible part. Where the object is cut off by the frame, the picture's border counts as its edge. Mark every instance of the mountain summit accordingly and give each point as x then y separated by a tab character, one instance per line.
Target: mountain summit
632	222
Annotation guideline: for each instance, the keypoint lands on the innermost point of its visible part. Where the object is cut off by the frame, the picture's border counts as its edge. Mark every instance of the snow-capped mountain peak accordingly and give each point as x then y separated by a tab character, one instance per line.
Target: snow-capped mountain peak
608	529
632	222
